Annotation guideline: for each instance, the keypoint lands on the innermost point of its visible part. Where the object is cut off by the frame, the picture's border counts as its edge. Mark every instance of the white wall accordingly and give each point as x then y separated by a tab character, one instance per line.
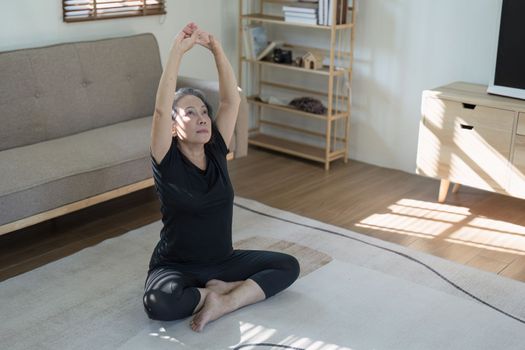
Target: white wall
402	48
31	23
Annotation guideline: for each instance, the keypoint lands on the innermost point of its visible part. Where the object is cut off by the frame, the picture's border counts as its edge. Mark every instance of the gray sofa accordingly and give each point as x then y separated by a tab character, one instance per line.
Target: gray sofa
76	121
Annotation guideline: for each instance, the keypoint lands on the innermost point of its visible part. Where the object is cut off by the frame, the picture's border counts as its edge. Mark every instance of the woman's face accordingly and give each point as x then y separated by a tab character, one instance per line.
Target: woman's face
192	123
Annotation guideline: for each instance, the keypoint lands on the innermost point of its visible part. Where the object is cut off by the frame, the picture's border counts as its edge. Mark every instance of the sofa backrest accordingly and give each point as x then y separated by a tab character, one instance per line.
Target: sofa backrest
59	90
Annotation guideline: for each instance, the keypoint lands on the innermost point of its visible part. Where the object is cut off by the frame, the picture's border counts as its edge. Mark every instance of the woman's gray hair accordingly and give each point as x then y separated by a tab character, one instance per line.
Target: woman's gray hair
185	91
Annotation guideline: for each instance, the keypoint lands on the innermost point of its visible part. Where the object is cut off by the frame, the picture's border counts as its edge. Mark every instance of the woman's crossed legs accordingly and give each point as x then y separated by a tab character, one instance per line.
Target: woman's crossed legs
211	291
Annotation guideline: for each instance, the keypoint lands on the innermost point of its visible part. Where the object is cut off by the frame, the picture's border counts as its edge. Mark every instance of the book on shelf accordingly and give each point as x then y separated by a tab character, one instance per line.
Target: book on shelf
247	47
300	14
326	8
256	40
302	20
342	11
331	5
305	8
320	13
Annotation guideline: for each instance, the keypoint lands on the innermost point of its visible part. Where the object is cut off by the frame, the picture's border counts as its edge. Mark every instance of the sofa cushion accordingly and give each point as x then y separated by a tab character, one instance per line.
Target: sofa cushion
53	173
64	89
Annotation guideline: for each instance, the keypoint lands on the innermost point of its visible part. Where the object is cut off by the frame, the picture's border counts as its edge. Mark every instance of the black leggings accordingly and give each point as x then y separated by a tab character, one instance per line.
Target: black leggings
170	293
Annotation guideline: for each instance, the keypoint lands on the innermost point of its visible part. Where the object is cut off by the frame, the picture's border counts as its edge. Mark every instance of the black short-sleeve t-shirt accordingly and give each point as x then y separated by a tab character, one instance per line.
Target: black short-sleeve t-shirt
196	206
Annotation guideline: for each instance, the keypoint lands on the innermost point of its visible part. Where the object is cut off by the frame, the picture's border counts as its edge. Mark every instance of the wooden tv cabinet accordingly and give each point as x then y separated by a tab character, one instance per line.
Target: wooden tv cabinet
469	137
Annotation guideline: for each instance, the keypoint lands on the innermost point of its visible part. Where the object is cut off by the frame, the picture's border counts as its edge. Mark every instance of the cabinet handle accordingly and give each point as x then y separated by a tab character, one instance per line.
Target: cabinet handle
468	127
469	106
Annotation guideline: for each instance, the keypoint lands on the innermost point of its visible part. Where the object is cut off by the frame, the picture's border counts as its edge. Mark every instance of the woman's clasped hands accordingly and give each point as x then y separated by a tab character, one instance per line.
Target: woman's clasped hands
191	35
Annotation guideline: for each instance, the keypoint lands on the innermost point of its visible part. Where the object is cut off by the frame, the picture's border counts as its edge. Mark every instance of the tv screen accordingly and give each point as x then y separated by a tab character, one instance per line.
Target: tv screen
509	75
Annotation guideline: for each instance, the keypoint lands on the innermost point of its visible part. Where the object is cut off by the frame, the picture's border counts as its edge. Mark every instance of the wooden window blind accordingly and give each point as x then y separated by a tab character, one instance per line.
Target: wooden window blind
90	10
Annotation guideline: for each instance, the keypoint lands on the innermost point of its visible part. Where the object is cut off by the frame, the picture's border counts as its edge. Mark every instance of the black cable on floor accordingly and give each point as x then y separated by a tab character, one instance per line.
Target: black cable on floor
391	251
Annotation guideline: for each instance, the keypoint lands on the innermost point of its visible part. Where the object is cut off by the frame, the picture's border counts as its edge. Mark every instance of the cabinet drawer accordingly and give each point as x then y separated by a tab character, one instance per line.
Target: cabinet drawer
521	124
494	125
519	153
466	144
517	181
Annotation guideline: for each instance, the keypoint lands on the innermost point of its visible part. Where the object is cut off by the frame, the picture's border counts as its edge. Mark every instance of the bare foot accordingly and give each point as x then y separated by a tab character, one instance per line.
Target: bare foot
221	287
215	306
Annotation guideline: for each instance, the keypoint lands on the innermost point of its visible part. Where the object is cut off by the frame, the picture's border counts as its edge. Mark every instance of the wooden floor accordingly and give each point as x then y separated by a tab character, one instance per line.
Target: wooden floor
476	228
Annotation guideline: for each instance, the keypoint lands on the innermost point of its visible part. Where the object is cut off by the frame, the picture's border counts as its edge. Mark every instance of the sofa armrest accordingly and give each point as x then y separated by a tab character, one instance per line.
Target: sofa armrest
239	142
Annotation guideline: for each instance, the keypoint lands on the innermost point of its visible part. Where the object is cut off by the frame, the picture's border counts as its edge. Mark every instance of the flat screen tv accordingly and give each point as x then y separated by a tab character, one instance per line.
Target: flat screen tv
509	70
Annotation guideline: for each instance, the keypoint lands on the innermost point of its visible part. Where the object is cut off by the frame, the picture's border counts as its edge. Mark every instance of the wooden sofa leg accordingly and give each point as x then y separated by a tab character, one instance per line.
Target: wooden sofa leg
443	190
456	187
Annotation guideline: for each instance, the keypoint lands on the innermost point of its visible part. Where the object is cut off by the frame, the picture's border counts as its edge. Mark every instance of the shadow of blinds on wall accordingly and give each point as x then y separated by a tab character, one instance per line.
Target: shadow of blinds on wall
90	10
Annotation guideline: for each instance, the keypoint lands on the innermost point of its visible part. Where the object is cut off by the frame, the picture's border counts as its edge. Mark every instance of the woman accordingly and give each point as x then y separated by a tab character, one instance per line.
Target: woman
194	269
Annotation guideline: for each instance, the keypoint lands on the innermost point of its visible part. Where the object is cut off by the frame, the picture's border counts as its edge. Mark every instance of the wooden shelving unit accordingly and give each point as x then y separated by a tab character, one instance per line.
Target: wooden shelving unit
280	20
337	100
335	114
322	71
294	148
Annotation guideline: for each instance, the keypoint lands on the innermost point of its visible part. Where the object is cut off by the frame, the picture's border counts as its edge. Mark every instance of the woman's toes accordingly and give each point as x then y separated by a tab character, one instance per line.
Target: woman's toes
214	307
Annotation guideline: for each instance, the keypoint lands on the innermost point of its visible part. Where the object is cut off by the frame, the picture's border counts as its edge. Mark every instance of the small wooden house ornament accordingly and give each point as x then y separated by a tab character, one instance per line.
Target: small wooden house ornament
312	61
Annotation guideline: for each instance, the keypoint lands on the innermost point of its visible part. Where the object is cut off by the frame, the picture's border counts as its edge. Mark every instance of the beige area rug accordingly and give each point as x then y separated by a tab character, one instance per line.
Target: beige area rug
355	292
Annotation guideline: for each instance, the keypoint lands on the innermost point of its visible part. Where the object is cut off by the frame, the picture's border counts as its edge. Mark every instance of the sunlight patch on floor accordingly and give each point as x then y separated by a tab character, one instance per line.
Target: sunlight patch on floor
251	333
427	213
256	337
453	224
484	246
436	207
416	218
406	225
383	228
498	225
162	334
489	239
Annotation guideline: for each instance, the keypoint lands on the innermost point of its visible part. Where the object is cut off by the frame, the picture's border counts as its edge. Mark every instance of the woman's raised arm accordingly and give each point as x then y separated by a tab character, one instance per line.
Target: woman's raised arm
228	90
161	129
